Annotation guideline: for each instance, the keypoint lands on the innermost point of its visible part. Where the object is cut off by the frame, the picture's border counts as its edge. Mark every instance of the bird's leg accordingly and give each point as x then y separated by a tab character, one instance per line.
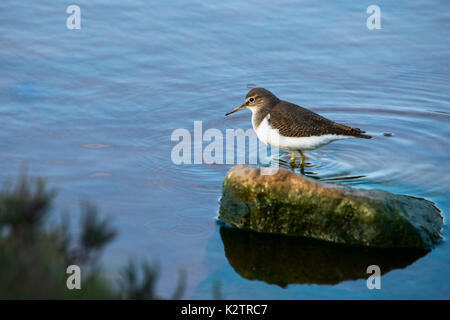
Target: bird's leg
302	159
293	157
292	161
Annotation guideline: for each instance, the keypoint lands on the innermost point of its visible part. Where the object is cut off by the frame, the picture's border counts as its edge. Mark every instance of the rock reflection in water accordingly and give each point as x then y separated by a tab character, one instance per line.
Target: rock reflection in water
282	260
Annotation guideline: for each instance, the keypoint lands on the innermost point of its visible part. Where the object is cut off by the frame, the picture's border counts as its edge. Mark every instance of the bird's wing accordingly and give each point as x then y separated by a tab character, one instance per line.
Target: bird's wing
294	121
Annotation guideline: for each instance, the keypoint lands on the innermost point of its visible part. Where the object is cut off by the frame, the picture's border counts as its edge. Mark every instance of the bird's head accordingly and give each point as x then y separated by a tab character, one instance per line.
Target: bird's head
257	98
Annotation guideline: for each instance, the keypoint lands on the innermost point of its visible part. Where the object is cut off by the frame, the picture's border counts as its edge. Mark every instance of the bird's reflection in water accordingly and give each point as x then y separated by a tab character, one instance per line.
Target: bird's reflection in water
282	260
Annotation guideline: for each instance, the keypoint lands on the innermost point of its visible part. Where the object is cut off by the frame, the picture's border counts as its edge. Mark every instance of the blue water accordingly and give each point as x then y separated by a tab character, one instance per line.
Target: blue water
92	110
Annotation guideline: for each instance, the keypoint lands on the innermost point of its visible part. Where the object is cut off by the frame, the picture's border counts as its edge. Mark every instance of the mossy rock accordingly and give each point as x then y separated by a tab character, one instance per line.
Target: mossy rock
287	203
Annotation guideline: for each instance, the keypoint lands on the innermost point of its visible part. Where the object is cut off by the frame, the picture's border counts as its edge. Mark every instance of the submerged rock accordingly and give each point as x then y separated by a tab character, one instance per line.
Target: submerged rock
286	203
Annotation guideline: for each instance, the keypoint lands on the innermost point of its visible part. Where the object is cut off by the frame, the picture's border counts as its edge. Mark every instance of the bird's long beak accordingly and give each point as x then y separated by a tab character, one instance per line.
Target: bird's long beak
236	109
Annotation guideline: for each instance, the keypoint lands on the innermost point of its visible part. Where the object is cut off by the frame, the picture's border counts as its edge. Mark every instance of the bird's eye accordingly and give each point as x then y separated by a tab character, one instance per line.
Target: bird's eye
251	99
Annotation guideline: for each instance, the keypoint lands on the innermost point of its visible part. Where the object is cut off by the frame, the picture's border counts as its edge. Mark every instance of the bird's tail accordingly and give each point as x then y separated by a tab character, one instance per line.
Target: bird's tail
358	133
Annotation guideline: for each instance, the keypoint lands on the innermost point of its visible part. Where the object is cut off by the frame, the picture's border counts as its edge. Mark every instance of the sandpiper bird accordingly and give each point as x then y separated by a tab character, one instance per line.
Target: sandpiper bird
290	127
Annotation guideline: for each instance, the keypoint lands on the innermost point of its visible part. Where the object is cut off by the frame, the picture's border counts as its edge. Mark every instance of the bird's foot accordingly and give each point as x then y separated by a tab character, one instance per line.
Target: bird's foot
302	169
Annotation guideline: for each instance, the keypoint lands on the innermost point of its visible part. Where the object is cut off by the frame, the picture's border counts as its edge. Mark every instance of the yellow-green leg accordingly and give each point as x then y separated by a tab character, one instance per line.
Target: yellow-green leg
293	159
301	165
302	159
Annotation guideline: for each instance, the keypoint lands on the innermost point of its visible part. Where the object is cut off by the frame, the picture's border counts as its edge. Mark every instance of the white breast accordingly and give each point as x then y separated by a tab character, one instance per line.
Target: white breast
271	136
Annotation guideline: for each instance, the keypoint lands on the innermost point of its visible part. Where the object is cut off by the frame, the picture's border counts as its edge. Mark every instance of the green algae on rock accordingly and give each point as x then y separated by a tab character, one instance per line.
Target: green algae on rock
286	203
